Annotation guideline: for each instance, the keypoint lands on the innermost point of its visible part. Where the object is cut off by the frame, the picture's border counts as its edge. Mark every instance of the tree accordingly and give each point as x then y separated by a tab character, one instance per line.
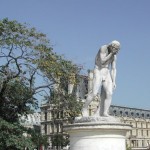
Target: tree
26	57
20	47
67	104
11	136
59	140
64	108
128	147
37	138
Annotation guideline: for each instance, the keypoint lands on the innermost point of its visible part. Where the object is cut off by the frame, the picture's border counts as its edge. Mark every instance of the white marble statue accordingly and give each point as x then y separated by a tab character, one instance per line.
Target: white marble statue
103	79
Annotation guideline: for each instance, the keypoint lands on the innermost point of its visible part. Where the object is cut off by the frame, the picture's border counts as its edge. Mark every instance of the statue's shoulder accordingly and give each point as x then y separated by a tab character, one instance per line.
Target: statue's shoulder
104	48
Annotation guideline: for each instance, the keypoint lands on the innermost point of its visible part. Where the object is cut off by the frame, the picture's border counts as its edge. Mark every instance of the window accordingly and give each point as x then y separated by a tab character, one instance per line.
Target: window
142	143
114	112
57	127
147	133
52	127
121	113
137	114
52	114
141	125
126	113
142	132
45	116
57	113
137	144
90	110
134	143
45	128
132	113
61	114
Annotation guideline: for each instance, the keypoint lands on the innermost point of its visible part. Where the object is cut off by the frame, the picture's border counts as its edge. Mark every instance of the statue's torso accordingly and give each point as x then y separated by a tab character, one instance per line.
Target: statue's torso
98	61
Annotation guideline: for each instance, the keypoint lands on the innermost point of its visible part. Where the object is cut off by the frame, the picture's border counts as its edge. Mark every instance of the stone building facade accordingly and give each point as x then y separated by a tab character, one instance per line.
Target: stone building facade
31	120
139	136
52	123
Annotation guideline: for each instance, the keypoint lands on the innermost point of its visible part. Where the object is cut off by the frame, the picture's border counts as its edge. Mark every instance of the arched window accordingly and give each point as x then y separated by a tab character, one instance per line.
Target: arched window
137	114
132	113
114	112
126	113
121	113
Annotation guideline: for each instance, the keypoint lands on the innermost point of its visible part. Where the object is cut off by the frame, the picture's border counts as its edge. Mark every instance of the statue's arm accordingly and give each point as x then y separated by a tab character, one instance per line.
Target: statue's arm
114	71
103	56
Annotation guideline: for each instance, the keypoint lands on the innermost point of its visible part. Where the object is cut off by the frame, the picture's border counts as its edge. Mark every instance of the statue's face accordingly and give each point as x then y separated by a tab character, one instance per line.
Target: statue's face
115	48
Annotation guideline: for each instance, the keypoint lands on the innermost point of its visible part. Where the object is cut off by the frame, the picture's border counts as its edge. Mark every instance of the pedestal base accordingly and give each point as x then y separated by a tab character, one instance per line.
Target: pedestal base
97	136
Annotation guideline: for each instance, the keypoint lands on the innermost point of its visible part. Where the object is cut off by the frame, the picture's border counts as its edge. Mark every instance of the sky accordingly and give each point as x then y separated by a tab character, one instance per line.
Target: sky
78	28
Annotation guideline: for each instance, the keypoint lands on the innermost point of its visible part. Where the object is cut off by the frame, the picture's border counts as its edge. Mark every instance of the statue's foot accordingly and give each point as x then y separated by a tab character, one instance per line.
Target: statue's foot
106	115
85	113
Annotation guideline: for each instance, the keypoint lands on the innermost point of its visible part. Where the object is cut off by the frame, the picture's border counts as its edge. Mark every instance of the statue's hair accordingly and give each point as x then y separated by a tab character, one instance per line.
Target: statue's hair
115	42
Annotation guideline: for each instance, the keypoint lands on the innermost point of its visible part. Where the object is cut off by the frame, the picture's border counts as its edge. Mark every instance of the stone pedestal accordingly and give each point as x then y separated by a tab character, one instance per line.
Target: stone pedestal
99	135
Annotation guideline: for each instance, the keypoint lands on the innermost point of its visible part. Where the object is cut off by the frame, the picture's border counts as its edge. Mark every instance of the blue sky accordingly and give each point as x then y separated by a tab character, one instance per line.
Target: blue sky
77	29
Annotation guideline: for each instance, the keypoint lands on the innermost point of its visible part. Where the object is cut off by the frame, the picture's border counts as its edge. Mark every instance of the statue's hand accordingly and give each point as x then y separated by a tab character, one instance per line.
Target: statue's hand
115	51
114	85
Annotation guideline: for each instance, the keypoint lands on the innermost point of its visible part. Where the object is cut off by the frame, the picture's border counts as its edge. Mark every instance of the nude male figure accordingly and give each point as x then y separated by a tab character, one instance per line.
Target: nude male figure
104	79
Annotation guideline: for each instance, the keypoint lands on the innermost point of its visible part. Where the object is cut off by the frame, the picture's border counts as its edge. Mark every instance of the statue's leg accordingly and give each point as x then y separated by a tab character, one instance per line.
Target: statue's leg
107	85
96	86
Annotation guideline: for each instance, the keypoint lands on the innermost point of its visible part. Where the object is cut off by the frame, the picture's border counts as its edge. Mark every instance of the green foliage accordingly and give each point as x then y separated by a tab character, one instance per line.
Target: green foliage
59	140
26	58
128	148
11	136
37	138
17	101
66	103
19	46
